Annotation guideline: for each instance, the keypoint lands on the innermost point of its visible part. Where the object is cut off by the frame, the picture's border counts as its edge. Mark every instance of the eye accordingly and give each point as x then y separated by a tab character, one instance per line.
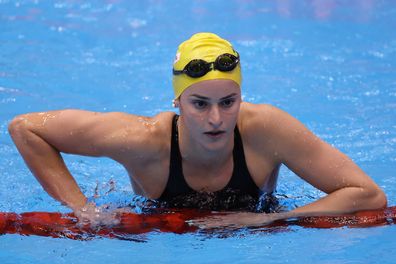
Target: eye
199	104
227	103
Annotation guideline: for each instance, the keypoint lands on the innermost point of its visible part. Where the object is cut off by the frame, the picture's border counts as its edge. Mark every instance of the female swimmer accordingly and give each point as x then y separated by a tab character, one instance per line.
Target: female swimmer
219	147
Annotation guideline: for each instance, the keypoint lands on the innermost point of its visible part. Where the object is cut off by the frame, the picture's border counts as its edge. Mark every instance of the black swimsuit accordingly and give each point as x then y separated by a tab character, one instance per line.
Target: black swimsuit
241	192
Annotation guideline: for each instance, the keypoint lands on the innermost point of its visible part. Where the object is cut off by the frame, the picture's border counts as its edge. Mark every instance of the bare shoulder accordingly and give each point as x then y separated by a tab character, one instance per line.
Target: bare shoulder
113	134
267	128
147	137
137	124
259	118
119	129
270	128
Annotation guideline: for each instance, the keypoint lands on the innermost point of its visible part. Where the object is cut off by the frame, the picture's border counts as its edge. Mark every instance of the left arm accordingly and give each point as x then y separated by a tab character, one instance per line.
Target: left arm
348	188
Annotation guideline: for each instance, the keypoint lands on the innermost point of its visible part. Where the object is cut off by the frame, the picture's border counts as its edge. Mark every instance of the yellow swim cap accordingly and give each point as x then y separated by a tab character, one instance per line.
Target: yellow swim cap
204	46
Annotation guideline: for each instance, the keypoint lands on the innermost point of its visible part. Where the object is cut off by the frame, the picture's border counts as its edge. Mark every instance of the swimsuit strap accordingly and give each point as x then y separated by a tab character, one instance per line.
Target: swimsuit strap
176	184
241	178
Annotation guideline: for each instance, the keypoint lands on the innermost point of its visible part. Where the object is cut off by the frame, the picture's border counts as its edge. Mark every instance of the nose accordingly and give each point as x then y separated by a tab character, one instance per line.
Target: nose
215	118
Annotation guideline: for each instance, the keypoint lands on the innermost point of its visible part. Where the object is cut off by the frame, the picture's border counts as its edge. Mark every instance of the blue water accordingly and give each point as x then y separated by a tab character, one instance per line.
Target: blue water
331	64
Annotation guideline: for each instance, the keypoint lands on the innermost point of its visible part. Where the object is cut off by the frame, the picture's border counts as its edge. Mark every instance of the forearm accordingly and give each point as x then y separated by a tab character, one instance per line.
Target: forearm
47	165
343	201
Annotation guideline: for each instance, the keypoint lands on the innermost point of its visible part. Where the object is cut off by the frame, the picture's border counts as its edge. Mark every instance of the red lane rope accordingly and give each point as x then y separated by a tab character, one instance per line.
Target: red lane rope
65	225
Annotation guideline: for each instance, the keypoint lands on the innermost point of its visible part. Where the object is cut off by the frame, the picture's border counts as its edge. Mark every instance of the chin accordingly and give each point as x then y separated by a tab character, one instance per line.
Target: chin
215	145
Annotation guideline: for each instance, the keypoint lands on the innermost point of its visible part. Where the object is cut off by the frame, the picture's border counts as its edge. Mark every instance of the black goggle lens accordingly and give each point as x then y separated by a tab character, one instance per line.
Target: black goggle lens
198	68
226	62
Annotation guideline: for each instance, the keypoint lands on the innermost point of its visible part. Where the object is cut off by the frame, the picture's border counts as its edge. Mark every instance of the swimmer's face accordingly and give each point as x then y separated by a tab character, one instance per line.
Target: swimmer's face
210	111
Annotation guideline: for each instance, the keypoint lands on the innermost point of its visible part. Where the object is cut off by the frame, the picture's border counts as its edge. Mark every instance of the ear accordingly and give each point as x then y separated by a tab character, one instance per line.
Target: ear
176	103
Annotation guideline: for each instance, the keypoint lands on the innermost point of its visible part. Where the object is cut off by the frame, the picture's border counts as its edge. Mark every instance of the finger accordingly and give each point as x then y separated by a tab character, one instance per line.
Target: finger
201	224
213	224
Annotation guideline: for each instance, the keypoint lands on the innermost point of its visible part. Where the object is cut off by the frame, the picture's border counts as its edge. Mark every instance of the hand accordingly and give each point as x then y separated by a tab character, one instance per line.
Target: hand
96	216
237	220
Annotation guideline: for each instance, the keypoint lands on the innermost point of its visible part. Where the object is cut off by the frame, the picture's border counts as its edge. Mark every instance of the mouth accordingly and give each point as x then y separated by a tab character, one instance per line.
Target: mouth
215	133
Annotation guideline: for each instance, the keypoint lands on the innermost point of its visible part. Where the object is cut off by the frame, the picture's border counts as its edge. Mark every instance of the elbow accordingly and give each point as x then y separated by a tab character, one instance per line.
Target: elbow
378	199
17	127
382	200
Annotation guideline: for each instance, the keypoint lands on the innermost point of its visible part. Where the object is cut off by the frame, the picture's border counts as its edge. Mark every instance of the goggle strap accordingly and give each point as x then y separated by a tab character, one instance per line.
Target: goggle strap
204	67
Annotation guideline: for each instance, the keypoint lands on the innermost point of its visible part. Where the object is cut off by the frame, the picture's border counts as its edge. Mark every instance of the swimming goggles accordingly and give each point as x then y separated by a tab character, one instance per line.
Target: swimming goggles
197	68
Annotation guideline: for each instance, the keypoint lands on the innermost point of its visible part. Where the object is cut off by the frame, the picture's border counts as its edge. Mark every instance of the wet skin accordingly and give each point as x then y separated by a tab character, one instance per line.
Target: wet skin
209	112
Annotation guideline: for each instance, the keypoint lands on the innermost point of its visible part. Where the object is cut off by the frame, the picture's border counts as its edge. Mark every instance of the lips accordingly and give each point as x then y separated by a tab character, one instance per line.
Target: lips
215	133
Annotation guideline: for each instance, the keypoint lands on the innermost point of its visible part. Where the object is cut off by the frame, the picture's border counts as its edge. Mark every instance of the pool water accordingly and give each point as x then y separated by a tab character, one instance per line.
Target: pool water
331	64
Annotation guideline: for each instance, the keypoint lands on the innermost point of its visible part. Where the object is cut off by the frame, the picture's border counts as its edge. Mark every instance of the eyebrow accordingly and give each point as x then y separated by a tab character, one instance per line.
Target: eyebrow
207	98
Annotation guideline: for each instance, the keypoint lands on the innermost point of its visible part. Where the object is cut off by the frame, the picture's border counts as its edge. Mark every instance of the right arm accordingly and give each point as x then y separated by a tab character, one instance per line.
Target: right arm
40	137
